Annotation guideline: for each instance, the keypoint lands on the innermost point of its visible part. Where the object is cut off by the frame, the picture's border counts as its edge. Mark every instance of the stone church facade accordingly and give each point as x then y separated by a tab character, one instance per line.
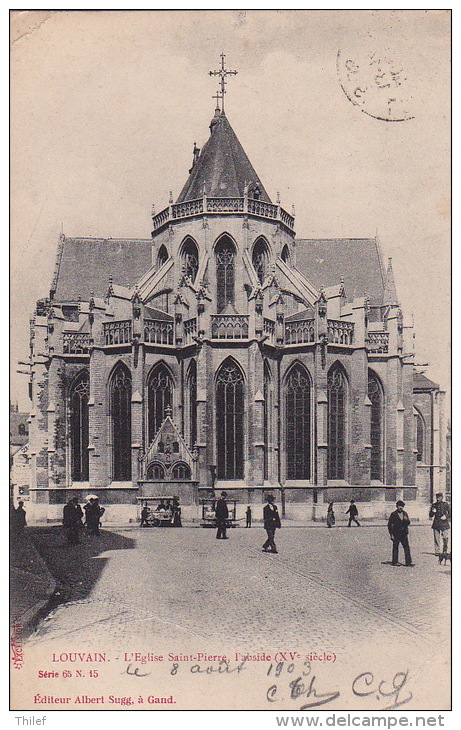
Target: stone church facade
226	353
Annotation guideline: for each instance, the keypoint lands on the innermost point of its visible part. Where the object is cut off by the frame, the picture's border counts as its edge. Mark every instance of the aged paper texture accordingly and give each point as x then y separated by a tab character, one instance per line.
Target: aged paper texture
211	331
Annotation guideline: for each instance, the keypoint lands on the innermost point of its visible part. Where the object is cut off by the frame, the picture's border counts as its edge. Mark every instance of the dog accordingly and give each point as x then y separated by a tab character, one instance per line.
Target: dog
444	557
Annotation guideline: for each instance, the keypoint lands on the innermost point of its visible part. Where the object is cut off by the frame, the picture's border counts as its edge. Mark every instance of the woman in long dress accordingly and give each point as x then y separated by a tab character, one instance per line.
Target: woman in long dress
330	515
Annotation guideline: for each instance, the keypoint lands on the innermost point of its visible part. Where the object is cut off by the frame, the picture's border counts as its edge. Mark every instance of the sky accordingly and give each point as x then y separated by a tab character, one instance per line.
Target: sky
106	107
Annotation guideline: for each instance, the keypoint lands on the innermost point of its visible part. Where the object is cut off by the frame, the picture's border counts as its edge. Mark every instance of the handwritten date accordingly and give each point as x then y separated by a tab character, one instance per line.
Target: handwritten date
300	682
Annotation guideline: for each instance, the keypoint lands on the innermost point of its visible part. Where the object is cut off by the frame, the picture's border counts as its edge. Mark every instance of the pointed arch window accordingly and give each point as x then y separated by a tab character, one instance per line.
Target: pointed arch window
375	394
192	396
160	397
155	472
337	393
229	421
181	471
225	273
120	408
162	256
189	256
286	255
79	428
298	423
420	429
260	259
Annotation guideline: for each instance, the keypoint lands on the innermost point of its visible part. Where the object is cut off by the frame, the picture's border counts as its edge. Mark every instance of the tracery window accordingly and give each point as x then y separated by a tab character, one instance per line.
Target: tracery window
298	427
189	255
120	408
160	397
225	273
375	395
337	392
229	420
181	471
79	428
260	259
419	437
156	472
192	397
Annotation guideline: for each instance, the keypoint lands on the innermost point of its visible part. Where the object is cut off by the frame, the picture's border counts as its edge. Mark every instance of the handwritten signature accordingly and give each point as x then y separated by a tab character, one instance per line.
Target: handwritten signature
364	685
299	689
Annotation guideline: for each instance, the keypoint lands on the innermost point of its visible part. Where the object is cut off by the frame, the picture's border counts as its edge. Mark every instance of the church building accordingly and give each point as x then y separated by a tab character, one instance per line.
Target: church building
224	352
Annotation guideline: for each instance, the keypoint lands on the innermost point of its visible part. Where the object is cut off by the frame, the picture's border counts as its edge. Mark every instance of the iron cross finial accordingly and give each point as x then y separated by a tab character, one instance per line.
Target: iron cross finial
222	73
217	96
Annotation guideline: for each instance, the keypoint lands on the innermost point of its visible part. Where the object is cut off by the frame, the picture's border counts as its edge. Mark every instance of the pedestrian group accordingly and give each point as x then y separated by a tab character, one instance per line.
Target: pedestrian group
397	525
72	518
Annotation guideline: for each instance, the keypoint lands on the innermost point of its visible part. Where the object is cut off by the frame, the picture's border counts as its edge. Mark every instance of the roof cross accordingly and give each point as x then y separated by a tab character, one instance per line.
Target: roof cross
222	73
217	96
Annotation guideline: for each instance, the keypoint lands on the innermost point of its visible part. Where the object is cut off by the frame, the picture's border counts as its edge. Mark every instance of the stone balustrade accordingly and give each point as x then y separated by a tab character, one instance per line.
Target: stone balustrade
223	206
302	330
269	330
117	333
340	332
76	343
223	327
229	327
158	332
378	343
190	330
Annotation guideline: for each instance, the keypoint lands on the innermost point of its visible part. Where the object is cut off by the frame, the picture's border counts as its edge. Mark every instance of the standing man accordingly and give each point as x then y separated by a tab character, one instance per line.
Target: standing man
222	514
353	512
93	516
398	530
271	522
72	520
248	516
20	517
441	513
144	516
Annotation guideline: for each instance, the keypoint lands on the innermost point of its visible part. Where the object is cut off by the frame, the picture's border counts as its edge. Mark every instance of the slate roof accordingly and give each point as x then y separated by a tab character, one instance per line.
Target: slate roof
420	382
223	167
324	261
152	313
84	265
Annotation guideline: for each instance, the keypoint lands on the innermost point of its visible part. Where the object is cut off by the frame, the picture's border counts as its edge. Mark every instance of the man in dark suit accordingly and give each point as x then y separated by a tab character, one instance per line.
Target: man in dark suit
440	512
271	522
398	530
221	514
353	512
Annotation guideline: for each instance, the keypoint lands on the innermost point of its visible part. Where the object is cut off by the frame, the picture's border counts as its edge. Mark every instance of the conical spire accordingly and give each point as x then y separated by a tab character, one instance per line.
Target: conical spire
223	169
390	292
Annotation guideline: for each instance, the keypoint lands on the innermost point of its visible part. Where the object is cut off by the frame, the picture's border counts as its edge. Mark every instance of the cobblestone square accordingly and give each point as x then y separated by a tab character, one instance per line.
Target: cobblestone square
182	590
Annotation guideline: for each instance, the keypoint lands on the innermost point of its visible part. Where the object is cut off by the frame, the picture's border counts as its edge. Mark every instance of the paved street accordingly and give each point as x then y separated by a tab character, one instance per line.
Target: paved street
329	590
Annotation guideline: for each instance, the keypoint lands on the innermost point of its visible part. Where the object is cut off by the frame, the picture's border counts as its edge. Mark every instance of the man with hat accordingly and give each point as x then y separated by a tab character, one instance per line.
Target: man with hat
221	514
398	530
271	522
440	511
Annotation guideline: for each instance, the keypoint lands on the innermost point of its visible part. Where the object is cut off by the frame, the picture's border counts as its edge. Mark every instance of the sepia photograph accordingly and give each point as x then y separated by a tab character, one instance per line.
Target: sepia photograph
230	317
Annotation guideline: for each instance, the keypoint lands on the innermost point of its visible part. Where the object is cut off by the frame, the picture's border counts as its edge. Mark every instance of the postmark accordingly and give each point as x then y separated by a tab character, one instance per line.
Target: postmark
377	83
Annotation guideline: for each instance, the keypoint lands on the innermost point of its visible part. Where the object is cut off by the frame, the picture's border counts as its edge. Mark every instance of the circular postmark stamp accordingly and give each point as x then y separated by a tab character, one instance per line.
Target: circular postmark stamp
376	83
